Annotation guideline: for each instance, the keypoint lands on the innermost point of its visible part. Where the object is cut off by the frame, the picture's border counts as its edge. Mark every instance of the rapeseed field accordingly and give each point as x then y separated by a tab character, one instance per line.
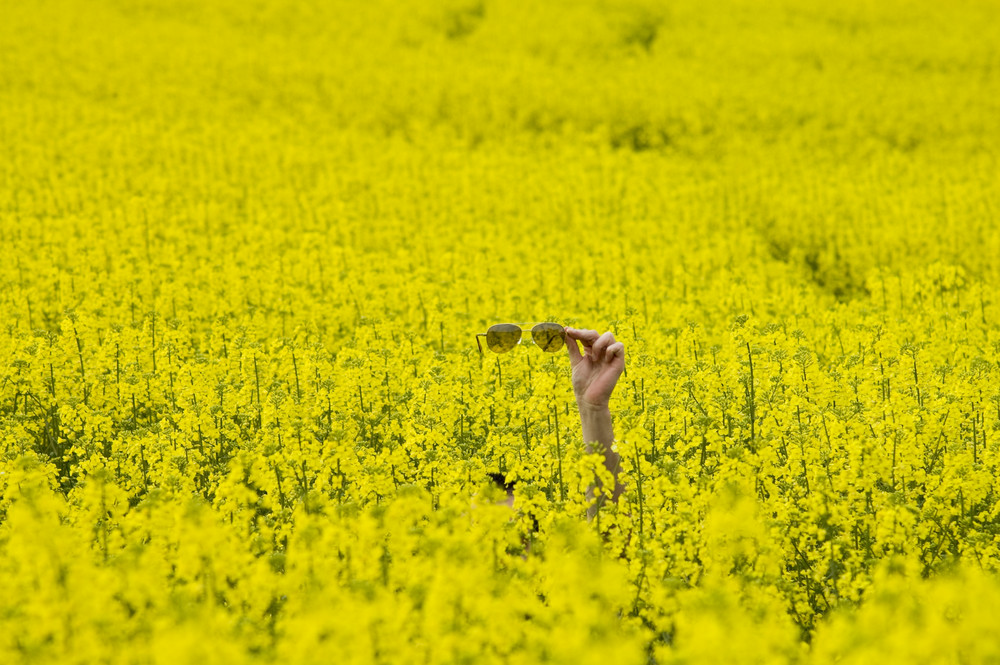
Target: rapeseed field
246	249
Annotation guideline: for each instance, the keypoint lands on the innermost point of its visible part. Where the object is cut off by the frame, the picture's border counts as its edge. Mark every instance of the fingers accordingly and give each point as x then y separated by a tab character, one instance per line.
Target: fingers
615	352
597	347
598	351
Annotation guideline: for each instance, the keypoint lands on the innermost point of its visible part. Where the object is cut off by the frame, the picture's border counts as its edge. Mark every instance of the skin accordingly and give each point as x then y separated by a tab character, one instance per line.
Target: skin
596	368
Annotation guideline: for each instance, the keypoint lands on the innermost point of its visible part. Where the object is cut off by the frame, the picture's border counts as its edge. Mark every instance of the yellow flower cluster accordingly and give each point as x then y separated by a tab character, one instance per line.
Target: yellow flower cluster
246	247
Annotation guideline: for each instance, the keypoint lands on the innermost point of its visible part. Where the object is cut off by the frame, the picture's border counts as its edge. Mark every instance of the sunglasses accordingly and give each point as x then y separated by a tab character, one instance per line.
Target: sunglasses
503	337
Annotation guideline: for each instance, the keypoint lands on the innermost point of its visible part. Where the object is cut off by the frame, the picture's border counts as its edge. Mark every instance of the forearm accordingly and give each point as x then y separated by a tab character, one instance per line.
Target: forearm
595	373
599	436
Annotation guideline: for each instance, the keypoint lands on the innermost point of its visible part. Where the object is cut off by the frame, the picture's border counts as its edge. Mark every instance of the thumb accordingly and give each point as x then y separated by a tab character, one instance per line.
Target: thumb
574	350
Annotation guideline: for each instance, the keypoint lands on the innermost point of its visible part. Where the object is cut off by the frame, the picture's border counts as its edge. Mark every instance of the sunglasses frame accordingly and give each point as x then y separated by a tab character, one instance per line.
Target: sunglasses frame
521	326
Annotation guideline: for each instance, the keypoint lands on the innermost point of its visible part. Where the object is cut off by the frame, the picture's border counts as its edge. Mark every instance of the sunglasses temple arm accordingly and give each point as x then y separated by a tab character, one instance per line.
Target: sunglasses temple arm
478	343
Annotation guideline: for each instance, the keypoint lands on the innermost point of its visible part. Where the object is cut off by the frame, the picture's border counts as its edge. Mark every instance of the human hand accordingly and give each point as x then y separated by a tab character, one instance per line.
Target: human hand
597	368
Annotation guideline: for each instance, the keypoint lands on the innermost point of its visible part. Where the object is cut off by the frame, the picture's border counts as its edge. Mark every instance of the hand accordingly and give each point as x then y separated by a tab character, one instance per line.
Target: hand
596	370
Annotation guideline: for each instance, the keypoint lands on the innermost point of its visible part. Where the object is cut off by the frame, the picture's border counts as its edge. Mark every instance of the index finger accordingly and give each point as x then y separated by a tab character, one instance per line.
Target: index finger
588	337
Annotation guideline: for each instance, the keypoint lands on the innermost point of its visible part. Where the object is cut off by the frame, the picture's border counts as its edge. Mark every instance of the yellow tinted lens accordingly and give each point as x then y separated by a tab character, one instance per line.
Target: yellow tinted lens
503	337
549	336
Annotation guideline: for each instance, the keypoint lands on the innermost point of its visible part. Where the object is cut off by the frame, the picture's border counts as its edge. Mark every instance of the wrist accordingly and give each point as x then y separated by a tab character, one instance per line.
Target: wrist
592	408
596	420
